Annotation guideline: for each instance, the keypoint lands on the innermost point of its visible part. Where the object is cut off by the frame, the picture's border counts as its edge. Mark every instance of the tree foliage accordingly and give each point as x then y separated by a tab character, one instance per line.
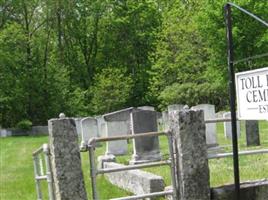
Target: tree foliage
110	93
87	57
190	65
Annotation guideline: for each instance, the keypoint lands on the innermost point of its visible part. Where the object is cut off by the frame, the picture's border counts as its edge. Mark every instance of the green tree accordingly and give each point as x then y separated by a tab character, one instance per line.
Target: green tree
190	64
111	90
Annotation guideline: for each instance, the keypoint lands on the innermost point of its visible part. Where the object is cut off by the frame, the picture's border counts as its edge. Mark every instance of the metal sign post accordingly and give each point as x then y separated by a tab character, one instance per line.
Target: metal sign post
228	19
232	87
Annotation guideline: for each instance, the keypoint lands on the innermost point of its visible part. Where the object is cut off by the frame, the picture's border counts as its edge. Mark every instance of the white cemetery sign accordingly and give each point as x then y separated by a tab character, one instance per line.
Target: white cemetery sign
252	94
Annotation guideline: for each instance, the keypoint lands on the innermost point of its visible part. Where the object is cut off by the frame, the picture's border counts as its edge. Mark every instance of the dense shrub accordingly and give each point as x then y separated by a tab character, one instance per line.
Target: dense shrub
24	124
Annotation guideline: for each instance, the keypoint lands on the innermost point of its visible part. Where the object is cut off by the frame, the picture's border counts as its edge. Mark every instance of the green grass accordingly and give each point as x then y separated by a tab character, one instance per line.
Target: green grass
16	168
16	171
252	167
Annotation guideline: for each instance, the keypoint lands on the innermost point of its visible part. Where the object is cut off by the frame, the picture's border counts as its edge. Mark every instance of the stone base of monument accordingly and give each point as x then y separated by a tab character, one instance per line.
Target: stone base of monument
145	158
105	158
214	149
213	145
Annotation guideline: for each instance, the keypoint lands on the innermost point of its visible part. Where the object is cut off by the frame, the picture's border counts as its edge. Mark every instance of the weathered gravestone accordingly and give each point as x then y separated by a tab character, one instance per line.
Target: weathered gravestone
146	149
101	126
78	125
211	129
117	124
252	133
228	126
89	129
65	160
165	121
165	115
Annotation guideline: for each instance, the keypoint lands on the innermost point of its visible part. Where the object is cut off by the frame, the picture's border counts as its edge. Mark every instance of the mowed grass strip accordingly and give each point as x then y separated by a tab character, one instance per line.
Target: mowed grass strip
17	177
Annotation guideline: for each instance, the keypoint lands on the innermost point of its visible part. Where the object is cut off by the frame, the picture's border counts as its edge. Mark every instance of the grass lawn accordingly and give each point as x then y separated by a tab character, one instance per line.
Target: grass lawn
16	168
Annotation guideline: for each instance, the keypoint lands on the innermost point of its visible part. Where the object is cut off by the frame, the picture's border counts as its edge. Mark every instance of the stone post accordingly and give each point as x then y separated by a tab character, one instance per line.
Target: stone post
188	127
252	133
65	160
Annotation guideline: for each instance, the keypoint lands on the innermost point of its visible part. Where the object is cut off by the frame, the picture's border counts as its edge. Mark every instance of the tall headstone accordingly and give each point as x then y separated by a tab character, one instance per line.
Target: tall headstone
228	126
188	127
65	160
78	125
89	129
101	126
145	149
165	121
117	123
252	133
165	114
211	129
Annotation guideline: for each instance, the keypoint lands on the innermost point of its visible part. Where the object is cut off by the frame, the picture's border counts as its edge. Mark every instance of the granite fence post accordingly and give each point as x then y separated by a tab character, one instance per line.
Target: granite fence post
188	128
65	160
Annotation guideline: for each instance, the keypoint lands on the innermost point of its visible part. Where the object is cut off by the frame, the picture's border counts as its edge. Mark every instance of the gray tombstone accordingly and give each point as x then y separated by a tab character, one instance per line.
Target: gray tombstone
101	126
146	149
165	121
89	128
146	108
211	129
252	133
228	126
117	124
175	107
78	125
165	114
5	133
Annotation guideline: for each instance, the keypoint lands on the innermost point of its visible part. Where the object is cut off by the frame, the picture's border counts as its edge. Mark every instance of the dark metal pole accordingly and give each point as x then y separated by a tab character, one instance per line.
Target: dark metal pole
228	19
